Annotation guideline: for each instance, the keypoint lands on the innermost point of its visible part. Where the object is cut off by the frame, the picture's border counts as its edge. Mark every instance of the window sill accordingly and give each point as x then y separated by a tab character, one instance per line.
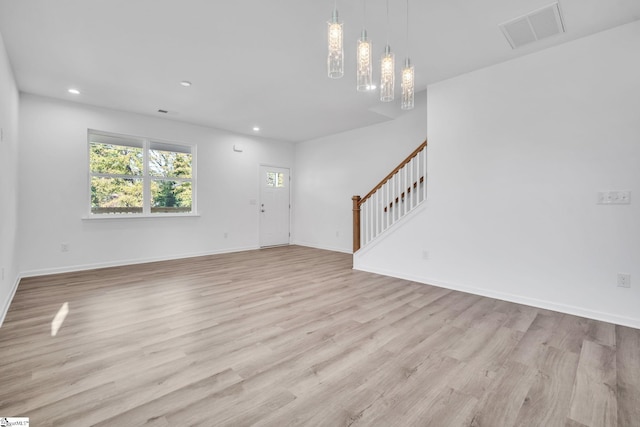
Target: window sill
138	216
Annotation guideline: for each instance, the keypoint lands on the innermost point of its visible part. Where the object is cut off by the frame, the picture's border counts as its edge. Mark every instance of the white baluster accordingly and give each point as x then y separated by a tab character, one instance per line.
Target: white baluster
397	196
370	224
363	240
369	211
412	176
417	181
424	174
390	201
363	223
379	211
393	200
400	185
376	216
373	217
405	186
369	219
385	198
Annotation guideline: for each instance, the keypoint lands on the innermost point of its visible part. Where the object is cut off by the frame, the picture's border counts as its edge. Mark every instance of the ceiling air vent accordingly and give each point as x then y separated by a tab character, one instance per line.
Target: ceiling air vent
533	26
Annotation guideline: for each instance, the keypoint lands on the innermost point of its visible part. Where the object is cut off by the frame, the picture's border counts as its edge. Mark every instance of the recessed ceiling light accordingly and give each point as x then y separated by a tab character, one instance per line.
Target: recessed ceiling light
185	83
256	129
74	91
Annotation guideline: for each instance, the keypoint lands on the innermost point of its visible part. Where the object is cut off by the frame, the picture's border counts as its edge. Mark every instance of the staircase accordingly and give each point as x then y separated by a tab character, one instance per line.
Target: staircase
396	195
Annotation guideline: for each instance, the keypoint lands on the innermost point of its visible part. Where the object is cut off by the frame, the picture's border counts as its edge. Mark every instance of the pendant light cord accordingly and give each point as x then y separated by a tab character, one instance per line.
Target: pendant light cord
407	28
388	23
364	14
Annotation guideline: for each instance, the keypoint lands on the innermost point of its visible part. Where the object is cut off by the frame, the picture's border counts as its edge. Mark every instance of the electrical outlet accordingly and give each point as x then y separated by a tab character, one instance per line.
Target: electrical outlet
624	280
425	254
226	234
64	247
337	234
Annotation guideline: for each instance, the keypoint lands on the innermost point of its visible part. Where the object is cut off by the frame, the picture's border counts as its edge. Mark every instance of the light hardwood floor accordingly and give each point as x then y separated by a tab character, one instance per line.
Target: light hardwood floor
293	336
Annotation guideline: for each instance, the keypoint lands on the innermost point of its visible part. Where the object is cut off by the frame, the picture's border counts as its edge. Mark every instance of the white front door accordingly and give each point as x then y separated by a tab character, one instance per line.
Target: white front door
274	206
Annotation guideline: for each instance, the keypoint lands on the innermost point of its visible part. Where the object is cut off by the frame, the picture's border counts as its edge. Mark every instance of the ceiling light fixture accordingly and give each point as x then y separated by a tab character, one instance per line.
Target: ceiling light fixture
408	76
74	91
256	128
364	70
335	57
364	62
185	83
387	69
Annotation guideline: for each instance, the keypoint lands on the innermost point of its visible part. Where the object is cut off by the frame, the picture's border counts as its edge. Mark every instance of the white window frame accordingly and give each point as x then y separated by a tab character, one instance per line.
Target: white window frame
146	144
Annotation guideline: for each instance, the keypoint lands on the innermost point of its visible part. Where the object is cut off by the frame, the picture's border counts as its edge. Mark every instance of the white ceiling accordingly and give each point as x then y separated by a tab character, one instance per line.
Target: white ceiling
258	62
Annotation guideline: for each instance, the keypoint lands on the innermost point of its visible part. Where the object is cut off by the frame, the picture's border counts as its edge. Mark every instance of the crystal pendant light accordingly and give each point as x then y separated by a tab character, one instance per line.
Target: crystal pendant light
364	69
387	69
387	75
335	58
408	76
407	85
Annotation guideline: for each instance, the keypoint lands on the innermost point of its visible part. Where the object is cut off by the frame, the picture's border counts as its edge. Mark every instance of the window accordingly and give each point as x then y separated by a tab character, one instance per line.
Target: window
130	175
275	179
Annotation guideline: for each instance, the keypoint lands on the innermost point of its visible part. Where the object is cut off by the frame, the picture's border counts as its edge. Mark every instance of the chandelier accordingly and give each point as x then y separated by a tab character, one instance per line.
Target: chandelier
364	60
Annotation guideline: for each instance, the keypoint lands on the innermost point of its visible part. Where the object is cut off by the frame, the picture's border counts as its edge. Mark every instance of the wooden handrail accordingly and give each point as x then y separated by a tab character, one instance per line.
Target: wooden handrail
388	177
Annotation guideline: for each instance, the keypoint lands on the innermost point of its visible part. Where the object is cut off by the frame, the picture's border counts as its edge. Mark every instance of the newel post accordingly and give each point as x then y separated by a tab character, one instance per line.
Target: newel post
356	223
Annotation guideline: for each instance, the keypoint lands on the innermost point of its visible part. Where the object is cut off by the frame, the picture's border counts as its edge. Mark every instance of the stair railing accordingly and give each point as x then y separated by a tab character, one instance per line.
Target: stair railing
395	196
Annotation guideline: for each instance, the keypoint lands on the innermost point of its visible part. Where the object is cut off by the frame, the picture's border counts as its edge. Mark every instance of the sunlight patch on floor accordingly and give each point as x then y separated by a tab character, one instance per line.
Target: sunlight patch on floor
57	321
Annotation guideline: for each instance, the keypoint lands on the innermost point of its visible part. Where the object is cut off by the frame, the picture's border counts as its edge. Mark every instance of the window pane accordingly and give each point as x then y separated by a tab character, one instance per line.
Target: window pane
275	179
116	195
169	164
170	196
115	159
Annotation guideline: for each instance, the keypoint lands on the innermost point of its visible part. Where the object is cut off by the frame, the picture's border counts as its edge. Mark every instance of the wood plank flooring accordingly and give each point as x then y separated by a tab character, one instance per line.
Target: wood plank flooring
292	336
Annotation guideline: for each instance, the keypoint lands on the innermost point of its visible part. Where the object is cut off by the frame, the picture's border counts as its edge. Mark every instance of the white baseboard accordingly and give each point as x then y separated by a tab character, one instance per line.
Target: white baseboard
7	303
326	248
547	305
119	263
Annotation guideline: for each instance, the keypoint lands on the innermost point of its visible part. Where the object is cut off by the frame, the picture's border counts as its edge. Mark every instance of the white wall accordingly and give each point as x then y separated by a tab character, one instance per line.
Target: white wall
517	152
8	182
333	169
53	190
